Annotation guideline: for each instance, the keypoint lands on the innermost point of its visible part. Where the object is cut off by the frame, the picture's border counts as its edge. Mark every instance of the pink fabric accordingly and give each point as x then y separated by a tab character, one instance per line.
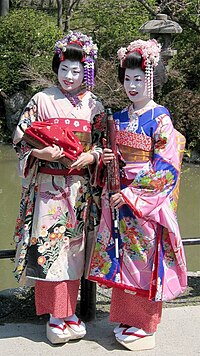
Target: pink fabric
56	298
144	265
135	310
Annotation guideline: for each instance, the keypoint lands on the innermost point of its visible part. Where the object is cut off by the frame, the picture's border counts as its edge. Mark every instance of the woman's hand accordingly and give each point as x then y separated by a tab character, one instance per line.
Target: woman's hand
117	200
107	155
49	153
85	158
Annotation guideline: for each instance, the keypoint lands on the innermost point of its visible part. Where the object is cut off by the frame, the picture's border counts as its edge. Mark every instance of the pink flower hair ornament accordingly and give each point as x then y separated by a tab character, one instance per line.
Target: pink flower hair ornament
150	52
90	50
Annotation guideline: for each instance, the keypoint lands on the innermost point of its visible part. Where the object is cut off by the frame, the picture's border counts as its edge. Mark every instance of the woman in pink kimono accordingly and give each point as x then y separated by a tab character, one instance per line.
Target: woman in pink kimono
144	259
50	233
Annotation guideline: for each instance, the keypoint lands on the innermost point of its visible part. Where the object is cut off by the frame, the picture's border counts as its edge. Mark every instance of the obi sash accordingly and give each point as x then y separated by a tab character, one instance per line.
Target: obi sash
45	133
131	154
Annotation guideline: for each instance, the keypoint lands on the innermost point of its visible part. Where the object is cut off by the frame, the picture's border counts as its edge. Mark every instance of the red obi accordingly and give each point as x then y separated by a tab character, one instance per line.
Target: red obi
46	133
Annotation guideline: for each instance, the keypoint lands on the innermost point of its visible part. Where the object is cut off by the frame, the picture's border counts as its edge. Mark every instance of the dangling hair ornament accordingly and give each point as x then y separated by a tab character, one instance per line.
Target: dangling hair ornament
90	53
150	52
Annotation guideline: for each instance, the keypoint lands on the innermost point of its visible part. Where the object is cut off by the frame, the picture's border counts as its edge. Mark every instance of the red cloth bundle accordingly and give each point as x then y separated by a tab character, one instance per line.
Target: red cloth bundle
46	133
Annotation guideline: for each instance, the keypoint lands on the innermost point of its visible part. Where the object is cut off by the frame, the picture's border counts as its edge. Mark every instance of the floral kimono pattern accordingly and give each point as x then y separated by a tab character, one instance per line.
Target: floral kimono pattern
151	259
49	234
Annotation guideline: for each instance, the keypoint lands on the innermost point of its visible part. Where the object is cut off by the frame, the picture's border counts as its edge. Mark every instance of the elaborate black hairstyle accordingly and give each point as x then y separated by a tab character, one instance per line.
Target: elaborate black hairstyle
73	52
131	61
134	60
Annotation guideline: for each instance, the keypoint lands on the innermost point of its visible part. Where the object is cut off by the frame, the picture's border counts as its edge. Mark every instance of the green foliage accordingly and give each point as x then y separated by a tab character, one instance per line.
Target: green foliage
27	36
111	23
181	93
187	60
184	106
27	39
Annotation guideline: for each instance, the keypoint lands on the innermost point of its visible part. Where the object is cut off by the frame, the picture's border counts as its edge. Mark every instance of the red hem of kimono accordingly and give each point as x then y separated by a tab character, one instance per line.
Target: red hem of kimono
142	292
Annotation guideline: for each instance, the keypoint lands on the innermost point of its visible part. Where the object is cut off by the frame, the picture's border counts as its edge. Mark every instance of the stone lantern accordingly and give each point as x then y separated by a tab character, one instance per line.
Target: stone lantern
163	30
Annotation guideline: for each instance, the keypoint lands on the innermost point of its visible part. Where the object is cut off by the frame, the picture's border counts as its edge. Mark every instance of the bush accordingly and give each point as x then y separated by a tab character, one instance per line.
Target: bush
111	23
108	87
27	36
184	106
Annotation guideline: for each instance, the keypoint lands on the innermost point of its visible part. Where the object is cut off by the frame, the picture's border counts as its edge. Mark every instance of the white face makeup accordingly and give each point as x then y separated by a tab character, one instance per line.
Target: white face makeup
134	85
70	75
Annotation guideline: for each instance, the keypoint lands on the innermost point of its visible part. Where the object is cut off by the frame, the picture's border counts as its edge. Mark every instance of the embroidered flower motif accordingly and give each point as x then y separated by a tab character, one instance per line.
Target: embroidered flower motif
67	121
62	229
76	123
150	179
47	245
66	240
161	141
33	240
169	255
134	140
41	260
55	212
56	229
53	236
43	233
41	249
68	225
59	235
101	262
135	243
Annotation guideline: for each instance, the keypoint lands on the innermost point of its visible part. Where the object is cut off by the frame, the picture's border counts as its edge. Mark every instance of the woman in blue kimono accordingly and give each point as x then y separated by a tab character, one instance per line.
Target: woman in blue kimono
146	264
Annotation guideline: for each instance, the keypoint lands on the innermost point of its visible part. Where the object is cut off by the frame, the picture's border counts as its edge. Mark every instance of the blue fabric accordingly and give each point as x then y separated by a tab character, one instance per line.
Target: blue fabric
147	123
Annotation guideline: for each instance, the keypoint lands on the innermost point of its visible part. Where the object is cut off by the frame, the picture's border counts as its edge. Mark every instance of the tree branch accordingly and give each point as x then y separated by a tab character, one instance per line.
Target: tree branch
147	7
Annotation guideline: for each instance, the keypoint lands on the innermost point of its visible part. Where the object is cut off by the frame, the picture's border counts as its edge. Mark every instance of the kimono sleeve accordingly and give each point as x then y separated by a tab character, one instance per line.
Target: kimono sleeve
156	181
98	129
22	148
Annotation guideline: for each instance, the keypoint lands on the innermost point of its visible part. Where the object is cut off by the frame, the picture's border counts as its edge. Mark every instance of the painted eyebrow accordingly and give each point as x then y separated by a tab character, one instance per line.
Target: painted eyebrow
135	76
65	66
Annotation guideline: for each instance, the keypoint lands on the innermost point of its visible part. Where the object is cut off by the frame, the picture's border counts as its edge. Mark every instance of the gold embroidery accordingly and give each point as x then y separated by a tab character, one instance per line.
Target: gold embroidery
131	154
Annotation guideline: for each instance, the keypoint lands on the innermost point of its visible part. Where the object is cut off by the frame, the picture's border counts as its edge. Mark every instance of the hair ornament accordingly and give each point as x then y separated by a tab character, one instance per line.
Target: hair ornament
89	48
150	52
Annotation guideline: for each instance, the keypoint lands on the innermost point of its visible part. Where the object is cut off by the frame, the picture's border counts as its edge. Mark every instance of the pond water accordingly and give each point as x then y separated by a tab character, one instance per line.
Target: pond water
188	211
